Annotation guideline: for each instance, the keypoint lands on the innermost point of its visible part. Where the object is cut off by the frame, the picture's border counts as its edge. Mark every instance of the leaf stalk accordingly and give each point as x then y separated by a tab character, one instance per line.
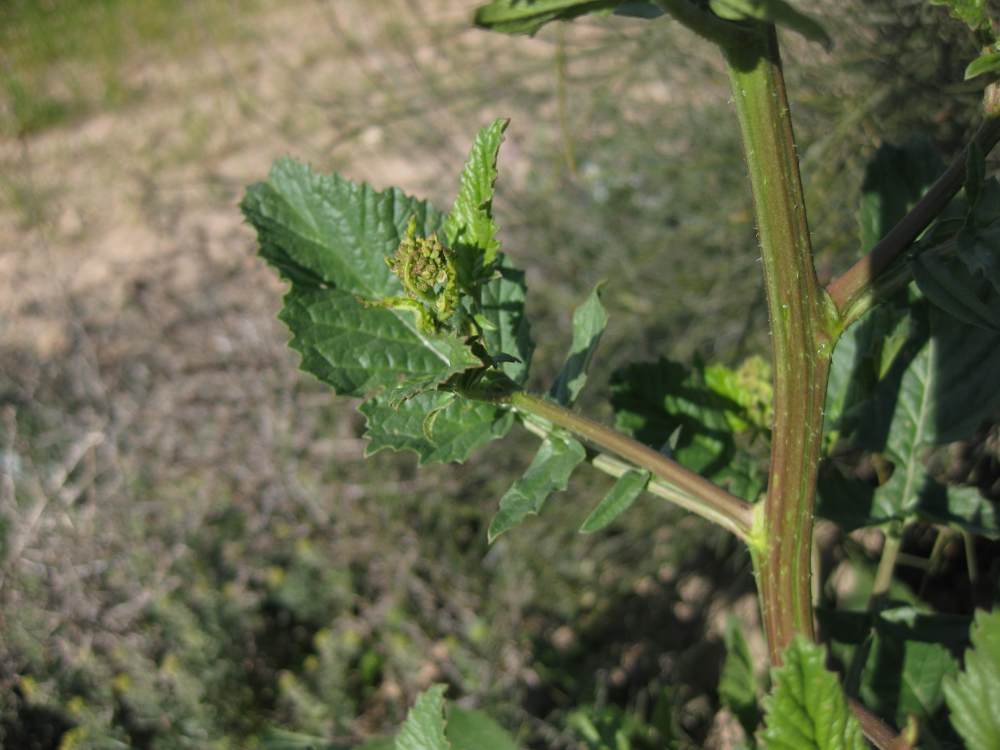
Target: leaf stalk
671	480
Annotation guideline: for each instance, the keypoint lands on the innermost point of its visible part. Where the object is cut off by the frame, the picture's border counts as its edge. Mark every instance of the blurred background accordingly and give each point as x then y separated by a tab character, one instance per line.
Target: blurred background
192	551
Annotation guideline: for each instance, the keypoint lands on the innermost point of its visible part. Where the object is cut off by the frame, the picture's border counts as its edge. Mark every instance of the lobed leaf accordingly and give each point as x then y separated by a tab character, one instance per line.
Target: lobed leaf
974	695
549	472
424	726
620	497
777	12
806	709
437	426
589	321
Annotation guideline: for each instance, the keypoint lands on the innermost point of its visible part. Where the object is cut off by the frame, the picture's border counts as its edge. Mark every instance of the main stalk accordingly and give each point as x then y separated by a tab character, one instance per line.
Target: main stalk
802	323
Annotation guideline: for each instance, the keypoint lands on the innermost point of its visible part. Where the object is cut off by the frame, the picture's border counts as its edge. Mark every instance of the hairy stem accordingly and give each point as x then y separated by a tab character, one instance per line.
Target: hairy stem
802	321
671	481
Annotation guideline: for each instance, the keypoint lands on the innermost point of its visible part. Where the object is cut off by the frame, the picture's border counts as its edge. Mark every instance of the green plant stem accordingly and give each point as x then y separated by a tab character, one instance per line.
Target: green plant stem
802	321
859	288
671	481
886	567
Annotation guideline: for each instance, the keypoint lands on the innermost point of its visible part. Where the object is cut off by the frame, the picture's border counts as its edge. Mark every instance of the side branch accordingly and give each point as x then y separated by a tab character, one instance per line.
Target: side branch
671	481
853	291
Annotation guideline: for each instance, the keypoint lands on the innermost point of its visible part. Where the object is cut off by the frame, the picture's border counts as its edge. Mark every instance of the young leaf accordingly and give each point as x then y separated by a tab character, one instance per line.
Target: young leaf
520	17
475	730
620	497
589	320
437	426
469	229
806	709
425	724
738	683
777	12
986	63
502	305
974	695
549	472
971	12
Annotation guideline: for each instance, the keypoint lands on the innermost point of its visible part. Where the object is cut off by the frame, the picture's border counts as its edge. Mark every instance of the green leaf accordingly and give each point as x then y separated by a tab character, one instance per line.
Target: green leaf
528	16
907	656
502	304
806	709
987	63
330	238
437	426
895	179
326	231
971	12
620	497
974	695
475	730
425	724
937	388
589	320
358	349
738	683
948	282
749	386
469	229
777	12
664	401
549	472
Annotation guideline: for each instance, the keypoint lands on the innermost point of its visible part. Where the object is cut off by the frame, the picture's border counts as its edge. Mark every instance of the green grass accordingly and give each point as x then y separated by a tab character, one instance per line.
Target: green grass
60	59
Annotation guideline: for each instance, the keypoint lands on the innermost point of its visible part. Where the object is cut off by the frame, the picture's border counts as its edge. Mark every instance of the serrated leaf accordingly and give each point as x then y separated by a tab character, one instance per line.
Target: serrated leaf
738	682
620	497
971	12
528	16
749	386
502	304
324	230
330	238
589	321
806	709
424	728
777	12
358	349
475	730
974	695
549	472
437	426
987	63
469	229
